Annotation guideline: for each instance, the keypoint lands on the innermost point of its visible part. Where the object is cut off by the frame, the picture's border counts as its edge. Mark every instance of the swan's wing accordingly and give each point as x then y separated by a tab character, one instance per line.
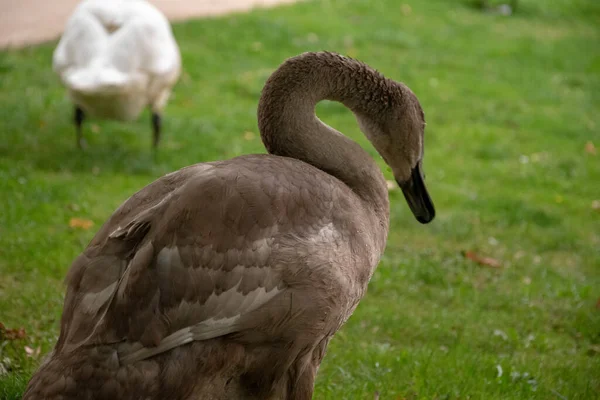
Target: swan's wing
201	253
83	39
144	42
93	277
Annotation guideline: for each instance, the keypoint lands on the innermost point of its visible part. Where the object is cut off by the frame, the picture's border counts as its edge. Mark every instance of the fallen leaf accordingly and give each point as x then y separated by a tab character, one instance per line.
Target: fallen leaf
487	261
95	128
391	185
596	205
11	334
590	148
81	223
527	280
248	135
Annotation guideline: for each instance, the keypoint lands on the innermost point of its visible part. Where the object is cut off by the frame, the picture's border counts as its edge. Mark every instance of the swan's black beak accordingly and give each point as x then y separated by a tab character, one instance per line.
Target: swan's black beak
417	197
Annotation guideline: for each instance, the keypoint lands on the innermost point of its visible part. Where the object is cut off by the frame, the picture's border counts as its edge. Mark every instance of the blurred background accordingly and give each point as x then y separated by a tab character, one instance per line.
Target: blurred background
498	298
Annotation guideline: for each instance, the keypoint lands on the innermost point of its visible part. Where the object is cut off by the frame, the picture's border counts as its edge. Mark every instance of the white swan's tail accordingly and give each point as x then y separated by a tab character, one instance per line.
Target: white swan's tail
106	80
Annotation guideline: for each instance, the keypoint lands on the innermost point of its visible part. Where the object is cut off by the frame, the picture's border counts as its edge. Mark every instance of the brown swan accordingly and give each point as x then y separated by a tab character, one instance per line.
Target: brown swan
227	279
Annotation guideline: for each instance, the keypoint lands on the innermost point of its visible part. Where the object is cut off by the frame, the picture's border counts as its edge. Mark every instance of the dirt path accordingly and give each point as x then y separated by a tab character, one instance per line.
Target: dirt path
25	22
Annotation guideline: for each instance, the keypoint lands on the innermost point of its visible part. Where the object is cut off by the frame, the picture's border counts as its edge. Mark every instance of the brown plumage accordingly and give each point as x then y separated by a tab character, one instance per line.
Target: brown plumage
226	280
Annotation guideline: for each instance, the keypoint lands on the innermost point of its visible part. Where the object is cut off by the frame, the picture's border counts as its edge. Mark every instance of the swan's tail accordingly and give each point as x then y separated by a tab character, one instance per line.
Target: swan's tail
207	370
88	373
106	92
97	81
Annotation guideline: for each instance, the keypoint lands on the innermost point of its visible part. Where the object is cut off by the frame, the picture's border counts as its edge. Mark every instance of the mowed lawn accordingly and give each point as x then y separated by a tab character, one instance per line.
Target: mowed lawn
512	162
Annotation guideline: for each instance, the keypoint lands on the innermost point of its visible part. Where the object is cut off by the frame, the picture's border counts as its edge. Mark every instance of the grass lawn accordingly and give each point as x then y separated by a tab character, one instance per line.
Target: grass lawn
510	103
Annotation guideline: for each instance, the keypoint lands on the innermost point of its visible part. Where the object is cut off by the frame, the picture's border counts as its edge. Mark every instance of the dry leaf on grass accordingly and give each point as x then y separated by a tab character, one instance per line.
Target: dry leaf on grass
391	185
11	334
248	135
590	148
596	205
481	260
81	223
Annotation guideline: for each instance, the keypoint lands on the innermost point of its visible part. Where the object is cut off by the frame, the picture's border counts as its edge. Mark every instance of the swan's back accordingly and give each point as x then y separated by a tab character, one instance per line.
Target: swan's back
117	56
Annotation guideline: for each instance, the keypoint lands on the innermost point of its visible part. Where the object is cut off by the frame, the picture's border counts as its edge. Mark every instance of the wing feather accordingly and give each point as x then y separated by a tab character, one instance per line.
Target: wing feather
179	273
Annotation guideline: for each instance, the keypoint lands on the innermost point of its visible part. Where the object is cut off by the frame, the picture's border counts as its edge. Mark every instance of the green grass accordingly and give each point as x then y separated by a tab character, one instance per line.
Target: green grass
510	104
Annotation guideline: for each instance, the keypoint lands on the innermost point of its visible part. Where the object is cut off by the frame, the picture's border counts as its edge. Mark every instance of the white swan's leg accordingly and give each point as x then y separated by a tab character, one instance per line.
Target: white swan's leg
78	118
156	128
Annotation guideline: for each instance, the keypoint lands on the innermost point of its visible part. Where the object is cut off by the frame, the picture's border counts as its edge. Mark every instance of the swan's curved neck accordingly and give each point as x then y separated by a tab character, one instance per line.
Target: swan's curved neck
290	128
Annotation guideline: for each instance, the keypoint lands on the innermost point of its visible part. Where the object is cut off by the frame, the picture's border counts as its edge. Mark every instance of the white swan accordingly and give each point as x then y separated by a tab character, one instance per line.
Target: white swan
117	57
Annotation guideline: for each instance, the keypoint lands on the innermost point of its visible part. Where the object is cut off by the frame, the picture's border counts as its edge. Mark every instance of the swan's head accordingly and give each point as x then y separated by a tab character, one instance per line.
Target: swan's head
397	133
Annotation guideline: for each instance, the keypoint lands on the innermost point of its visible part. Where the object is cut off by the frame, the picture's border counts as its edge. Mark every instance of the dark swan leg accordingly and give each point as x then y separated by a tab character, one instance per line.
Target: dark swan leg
78	118
156	127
